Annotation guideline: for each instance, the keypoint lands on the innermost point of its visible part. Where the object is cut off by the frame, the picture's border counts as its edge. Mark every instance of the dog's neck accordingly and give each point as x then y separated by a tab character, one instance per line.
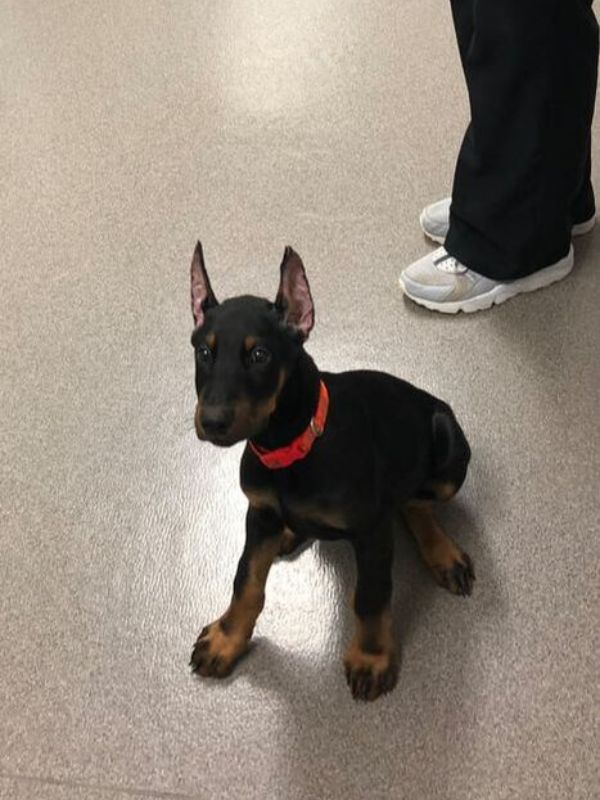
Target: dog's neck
296	405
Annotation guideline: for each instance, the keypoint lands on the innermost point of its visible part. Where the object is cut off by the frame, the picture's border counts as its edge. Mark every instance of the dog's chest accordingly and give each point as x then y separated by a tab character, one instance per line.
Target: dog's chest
309	514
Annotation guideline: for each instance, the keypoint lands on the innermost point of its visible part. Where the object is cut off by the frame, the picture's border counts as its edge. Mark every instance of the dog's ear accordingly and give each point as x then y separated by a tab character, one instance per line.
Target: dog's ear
203	296
294	301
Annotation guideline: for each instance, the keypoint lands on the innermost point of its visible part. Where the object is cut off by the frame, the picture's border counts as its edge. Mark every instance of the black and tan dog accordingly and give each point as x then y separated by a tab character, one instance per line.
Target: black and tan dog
328	456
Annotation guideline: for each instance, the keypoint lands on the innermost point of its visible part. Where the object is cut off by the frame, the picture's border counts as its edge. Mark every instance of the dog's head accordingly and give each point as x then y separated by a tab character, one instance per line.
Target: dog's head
245	348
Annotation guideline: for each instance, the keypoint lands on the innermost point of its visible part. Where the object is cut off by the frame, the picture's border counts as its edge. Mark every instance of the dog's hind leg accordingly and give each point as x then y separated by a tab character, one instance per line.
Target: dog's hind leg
450	567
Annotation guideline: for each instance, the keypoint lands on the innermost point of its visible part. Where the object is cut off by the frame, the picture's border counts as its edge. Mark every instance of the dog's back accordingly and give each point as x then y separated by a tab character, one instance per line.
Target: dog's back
420	447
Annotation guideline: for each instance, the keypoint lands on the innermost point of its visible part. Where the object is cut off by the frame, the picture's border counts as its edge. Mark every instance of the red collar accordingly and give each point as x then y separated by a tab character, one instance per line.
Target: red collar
302	445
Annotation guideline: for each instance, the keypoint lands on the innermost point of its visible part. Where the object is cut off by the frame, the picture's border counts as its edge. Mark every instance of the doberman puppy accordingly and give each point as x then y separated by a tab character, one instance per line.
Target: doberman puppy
328	456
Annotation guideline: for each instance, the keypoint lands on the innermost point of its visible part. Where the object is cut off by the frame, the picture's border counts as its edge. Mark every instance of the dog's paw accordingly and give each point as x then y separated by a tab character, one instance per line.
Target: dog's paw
216	652
370	675
458	577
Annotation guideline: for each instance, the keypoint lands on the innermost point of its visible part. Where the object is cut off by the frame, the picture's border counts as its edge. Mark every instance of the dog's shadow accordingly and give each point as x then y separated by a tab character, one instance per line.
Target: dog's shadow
307	686
415	590
270	667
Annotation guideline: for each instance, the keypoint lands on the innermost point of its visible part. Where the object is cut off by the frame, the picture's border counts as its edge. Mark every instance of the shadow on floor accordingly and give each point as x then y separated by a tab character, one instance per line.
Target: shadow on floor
317	710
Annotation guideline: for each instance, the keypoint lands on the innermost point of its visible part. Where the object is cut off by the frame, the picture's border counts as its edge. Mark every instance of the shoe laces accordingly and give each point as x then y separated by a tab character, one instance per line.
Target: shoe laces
447	263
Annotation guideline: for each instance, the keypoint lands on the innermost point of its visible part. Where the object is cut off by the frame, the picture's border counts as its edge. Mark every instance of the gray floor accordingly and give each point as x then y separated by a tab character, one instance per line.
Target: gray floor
127	130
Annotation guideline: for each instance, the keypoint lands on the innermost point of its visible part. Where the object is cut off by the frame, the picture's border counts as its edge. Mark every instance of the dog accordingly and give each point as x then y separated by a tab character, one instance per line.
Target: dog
328	456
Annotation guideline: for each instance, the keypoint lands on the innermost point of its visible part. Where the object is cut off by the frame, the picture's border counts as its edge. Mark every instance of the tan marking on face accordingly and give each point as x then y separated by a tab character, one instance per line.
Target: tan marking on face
249	343
211	340
250	419
198	418
270	404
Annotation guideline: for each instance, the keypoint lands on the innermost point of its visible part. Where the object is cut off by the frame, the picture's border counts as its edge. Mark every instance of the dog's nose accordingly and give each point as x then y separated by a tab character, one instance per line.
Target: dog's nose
216	421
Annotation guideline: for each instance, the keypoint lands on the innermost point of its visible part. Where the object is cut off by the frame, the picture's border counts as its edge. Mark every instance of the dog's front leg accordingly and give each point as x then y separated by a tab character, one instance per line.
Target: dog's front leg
371	664
224	641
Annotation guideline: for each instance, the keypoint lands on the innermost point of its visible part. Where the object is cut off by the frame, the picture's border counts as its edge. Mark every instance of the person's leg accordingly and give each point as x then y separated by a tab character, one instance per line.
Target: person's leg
522	177
463	16
584	205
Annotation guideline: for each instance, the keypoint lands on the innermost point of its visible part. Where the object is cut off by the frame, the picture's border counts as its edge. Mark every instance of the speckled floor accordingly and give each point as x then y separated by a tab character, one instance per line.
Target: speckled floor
128	129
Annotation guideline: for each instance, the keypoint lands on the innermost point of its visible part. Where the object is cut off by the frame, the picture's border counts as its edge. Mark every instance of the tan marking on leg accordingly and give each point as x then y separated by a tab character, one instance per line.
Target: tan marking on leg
436	546
441	491
328	517
289	542
262	498
444	491
221	644
451	568
370	661
243	612
375	633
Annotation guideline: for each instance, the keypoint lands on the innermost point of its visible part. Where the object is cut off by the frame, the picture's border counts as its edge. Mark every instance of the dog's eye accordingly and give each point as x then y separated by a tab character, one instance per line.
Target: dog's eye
259	355
204	354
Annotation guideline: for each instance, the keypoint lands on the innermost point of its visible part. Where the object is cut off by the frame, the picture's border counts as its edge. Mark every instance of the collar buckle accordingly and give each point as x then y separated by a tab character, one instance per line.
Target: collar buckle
316	428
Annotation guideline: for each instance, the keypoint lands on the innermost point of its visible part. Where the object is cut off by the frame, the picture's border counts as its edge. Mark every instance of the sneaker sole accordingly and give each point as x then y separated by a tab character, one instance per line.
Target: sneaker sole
584	227
581	229
501	293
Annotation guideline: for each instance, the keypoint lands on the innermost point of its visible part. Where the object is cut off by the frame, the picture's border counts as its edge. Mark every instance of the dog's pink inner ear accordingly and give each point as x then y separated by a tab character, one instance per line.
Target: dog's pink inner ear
202	294
294	297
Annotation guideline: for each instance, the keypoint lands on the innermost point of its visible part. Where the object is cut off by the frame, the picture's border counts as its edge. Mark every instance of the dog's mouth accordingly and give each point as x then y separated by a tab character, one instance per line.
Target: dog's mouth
240	430
227	439
222	440
218	439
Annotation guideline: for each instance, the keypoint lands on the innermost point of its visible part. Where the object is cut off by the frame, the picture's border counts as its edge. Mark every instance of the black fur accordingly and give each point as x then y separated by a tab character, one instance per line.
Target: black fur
385	443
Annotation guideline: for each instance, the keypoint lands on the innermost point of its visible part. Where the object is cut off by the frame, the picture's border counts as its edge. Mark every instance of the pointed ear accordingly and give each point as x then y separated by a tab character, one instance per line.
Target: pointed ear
203	296
294	300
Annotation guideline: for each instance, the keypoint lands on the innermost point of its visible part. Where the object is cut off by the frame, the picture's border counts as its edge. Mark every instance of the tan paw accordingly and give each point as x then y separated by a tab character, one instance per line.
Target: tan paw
456	574
370	675
216	652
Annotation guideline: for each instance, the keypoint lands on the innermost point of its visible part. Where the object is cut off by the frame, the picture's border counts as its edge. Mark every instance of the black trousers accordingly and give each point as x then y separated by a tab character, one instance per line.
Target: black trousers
523	173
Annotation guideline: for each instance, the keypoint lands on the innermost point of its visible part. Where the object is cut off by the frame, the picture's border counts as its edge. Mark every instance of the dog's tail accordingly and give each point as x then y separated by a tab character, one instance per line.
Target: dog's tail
450	452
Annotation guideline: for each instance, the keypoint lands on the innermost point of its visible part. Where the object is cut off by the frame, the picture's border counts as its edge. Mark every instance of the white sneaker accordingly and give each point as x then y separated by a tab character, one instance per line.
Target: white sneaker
441	283
435	221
